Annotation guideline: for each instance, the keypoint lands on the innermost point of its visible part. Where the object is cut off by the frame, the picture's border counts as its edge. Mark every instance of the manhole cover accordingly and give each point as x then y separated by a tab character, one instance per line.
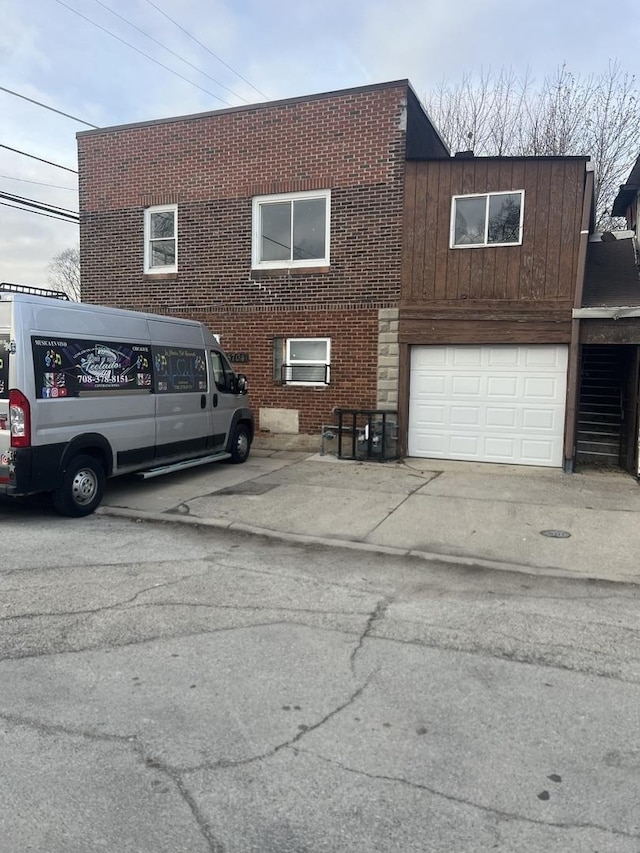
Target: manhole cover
556	534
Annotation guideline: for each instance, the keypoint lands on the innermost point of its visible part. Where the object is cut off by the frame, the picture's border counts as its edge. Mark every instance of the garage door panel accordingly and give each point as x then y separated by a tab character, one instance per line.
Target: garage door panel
431	445
430	357
432	415
466	446
434	386
466	386
465	416
541	387
548	420
545	357
502	357
499	449
465	356
498	403
502	386
538	453
501	417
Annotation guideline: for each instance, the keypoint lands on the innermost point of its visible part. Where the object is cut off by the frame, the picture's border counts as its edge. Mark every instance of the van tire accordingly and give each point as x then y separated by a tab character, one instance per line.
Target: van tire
240	444
81	488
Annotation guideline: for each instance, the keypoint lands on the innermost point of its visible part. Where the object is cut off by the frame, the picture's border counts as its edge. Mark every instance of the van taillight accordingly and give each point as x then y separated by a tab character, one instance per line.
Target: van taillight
19	419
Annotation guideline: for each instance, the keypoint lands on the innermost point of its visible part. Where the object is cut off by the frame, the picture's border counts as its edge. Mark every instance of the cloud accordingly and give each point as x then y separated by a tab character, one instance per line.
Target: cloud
285	49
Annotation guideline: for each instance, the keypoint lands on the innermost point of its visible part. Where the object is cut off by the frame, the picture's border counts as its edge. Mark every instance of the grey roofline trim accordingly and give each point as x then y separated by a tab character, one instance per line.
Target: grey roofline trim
496	157
627	192
262	105
624	199
606	312
614	235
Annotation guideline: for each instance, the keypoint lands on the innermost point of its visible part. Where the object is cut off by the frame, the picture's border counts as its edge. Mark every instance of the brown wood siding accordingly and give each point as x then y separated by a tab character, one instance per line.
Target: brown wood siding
448	331
542	270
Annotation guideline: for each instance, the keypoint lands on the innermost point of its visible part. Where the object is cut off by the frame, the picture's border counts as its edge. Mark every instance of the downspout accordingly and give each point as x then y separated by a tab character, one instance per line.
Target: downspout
573	374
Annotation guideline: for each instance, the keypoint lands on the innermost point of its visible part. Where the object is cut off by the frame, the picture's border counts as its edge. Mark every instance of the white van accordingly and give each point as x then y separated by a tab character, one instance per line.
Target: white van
88	392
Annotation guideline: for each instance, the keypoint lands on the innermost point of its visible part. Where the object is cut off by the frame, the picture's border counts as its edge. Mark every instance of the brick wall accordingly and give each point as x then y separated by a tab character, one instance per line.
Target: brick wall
353	375
211	165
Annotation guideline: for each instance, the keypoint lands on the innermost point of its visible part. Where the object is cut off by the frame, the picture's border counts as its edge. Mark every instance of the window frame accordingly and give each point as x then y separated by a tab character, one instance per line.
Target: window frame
262	200
485	244
326	362
166	268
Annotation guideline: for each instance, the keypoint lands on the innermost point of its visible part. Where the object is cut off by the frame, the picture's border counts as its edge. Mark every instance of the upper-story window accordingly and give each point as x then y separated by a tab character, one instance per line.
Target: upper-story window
291	230
161	239
490	219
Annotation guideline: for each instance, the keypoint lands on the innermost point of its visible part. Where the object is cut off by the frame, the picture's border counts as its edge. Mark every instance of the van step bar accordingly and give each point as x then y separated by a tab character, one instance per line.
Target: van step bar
180	466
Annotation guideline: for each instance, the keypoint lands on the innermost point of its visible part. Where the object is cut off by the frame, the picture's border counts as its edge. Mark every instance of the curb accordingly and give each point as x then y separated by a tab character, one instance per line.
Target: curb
363	547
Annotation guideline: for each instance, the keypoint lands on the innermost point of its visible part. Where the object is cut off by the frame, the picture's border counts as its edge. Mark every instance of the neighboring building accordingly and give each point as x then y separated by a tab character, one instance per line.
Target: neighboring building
609	316
280	225
494	255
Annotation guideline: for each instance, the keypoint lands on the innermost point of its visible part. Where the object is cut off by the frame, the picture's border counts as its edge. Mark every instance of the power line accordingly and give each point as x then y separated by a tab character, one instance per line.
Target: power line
169	50
49	215
38	183
33	157
215	56
46	107
34	202
142	53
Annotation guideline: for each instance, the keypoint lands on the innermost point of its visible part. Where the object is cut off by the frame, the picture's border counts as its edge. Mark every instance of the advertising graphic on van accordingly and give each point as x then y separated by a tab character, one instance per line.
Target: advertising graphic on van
66	368
179	369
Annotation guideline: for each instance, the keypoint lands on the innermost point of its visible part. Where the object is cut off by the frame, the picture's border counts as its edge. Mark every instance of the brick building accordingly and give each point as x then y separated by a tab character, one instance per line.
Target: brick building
279	225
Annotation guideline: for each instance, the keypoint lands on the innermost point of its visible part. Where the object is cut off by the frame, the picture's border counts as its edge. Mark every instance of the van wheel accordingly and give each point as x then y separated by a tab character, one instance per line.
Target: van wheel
240	444
81	488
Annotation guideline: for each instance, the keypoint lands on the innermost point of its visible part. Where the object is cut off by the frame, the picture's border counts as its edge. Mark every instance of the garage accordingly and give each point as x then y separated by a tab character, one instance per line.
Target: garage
501	403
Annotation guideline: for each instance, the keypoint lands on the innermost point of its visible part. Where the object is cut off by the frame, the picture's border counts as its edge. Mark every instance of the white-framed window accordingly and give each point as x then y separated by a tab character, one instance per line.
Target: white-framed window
302	361
487	219
161	238
291	230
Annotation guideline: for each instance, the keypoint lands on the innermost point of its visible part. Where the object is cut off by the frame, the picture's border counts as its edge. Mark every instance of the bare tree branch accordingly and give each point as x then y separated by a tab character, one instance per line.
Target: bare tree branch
505	114
64	272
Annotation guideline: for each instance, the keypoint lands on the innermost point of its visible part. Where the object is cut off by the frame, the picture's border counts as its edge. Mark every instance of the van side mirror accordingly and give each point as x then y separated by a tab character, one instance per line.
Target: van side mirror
242	385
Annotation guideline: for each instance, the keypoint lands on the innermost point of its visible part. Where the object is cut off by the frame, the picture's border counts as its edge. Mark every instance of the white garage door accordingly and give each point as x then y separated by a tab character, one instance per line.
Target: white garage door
488	403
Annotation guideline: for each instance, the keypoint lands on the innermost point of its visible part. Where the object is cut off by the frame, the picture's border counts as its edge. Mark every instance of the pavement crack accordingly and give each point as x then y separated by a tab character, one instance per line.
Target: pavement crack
203	825
402	502
503	814
520	657
290	743
83	567
133	743
159	638
94	610
376	615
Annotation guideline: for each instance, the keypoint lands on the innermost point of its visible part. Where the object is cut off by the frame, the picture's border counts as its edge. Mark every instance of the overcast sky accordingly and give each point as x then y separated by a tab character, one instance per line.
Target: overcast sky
256	50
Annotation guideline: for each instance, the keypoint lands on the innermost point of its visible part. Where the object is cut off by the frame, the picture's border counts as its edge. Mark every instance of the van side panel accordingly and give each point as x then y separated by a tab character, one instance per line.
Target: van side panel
125	419
182	390
132	390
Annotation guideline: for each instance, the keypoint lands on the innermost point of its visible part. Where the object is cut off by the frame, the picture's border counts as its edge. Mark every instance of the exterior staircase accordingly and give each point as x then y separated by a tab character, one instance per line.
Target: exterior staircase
601	409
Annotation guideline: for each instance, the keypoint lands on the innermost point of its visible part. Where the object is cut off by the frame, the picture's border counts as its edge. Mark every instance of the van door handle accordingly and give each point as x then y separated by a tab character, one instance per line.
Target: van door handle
215	400
203	401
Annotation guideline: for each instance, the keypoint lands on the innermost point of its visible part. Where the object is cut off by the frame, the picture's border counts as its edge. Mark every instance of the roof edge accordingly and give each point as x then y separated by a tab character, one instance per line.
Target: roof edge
260	105
497	157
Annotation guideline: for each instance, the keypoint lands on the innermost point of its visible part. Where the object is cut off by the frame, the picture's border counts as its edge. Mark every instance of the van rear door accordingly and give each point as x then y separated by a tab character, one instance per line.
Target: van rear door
5	431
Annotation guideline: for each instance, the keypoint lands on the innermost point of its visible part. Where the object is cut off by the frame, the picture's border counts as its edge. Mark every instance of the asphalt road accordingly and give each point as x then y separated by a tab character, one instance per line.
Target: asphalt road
168	689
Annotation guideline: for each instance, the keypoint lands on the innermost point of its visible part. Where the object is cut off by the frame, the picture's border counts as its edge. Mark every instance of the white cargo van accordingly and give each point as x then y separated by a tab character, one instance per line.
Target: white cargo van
88	392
